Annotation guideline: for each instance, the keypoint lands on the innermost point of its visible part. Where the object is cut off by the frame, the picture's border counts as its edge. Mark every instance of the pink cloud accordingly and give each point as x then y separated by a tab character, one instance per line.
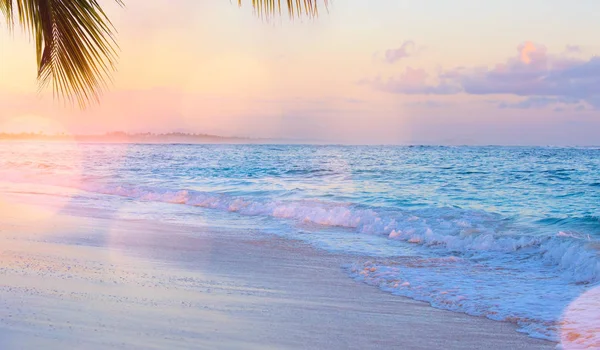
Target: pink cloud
411	82
405	50
531	72
573	49
531	53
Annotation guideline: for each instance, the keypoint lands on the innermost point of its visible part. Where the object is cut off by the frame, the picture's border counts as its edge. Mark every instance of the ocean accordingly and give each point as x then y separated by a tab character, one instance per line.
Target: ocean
508	233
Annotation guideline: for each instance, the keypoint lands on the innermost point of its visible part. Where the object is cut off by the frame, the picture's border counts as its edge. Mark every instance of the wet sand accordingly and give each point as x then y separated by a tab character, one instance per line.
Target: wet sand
71	280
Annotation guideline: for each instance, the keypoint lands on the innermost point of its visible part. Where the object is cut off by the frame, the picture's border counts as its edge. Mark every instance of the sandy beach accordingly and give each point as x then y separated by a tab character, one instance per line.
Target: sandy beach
77	280
300	174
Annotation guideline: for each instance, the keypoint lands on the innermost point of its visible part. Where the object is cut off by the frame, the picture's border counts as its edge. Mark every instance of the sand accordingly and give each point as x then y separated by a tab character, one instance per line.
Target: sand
74	279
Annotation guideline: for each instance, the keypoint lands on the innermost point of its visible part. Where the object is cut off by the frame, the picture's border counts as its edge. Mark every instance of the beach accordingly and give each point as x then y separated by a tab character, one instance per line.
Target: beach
301	174
75	278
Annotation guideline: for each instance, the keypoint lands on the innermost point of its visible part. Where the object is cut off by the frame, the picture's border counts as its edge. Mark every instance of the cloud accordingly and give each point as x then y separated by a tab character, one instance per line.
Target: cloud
535	73
411	82
429	104
539	102
573	49
353	100
532	72
405	50
594	101
529	51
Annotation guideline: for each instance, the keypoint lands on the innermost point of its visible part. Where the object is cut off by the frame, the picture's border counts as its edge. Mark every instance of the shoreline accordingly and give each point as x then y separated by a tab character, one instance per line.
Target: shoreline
73	280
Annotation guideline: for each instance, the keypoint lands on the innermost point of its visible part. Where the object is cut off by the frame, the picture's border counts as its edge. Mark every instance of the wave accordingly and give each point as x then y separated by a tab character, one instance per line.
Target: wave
591	221
310	172
473	261
482	265
457	231
529	300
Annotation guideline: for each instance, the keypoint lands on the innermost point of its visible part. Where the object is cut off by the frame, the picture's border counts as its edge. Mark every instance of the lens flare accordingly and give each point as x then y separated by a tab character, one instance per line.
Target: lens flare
29	167
580	325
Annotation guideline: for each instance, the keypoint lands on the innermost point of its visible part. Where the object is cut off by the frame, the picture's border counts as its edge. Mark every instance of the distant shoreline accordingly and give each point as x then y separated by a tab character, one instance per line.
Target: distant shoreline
121	137
201	139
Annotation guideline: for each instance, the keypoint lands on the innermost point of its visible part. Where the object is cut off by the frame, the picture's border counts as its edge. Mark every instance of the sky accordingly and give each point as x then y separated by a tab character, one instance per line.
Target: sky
365	72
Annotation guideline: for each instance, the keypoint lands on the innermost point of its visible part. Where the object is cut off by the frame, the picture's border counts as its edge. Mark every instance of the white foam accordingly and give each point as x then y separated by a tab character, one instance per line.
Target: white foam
452	230
540	273
533	300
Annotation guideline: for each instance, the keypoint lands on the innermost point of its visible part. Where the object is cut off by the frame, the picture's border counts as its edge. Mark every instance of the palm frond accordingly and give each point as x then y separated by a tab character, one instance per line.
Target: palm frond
75	44
295	8
74	41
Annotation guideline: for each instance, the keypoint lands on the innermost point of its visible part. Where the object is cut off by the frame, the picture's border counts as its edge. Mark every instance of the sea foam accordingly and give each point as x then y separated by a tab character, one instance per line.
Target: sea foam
467	232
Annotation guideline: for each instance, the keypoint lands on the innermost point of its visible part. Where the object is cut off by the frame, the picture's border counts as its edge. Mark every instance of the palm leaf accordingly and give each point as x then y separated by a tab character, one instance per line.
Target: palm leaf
295	8
74	44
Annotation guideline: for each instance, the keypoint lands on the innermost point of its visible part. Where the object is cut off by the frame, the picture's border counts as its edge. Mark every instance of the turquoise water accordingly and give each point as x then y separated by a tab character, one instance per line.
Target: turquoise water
504	232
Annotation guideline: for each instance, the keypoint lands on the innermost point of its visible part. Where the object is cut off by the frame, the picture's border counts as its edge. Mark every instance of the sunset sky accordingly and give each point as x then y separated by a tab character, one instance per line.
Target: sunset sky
378	71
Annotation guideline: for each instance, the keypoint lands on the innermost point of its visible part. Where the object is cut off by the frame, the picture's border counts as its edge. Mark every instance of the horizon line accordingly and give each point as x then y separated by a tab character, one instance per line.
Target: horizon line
182	138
